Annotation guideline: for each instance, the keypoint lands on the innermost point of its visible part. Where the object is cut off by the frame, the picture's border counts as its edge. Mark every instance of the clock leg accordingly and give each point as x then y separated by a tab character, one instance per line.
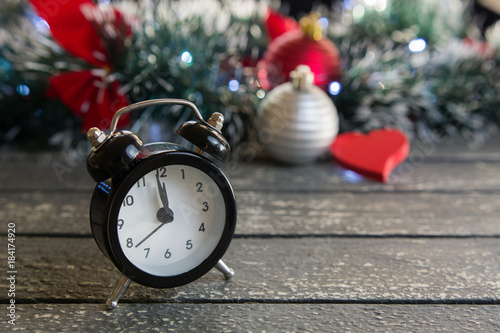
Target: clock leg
222	267
117	293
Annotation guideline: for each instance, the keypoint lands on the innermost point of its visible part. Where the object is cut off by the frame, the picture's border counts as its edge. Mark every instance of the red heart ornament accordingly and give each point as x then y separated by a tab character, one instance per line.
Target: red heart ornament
372	155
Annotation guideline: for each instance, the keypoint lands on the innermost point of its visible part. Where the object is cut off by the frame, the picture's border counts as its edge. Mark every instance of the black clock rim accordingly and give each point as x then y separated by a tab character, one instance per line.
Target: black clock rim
121	189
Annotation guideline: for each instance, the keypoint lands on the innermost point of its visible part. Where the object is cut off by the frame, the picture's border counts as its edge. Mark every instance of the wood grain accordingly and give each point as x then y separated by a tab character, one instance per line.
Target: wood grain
268	176
290	213
317	249
280	269
259	318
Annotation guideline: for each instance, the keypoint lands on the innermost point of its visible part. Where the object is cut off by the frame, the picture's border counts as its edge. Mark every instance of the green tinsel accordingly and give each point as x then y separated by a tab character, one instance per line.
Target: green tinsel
216	35
451	88
193	57
448	89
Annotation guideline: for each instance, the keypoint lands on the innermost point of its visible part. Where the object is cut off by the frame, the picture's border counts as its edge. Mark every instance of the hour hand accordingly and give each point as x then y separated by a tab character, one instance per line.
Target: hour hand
163	192
165	214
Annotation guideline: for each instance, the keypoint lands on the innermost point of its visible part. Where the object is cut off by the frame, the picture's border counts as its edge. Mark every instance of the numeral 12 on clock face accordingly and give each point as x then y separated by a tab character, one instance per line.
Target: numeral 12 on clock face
167	222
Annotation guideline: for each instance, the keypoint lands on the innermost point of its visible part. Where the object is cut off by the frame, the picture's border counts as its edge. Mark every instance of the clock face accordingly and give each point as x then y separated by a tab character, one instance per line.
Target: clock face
171	220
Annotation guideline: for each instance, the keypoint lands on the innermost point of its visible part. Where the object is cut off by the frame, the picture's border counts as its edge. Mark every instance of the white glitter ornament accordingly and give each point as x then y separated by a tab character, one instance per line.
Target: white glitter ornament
297	120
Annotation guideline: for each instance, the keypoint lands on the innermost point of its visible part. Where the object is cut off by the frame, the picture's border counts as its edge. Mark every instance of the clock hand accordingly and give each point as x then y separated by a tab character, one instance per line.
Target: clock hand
164	214
151	233
163	192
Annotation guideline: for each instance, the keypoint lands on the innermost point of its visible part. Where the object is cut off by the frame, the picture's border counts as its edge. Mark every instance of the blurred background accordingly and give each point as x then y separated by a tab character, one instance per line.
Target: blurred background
428	68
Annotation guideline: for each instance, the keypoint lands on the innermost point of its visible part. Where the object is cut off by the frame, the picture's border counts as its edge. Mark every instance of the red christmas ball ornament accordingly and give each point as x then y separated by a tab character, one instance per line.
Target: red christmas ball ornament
305	46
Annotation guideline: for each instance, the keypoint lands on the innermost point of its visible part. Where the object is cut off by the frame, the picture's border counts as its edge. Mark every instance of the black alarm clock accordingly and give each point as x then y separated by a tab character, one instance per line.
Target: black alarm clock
164	215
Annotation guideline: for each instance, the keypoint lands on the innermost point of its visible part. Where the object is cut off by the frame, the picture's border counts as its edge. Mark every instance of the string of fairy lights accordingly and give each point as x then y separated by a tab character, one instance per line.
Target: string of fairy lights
395	61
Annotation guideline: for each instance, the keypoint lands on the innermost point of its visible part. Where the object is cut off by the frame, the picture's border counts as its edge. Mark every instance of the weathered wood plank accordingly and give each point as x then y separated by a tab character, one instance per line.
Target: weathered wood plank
440	190
286	270
407	177
428	167
460	150
276	213
368	213
442	150
263	176
258	318
47	213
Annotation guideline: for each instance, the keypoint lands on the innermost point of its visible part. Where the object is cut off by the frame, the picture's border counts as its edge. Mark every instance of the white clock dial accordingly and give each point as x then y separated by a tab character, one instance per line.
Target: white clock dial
168	241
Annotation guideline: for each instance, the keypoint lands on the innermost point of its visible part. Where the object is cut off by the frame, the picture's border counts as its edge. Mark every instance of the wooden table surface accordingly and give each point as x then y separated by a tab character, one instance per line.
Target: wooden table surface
316	249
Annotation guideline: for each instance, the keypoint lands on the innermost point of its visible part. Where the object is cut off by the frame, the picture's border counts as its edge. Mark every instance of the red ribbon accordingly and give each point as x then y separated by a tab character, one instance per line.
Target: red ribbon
92	94
277	24
88	95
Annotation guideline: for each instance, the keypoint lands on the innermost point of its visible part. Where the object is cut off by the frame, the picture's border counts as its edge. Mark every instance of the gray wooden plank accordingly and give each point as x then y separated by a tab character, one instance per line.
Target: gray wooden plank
264	176
257	318
279	269
460	150
428	167
276	213
53	212
368	213
34	176
445	150
407	177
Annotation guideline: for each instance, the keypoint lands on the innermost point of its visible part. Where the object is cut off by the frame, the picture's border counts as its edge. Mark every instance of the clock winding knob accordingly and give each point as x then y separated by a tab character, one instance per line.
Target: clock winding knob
216	120
207	136
96	136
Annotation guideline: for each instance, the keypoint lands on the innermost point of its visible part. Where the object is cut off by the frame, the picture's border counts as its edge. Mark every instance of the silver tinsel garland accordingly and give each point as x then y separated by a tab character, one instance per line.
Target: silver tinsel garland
408	65
403	64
